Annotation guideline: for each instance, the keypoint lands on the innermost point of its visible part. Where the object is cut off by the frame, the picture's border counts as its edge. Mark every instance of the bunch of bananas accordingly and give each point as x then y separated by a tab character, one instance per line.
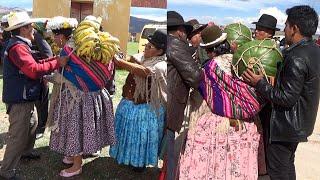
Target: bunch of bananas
54	47
92	44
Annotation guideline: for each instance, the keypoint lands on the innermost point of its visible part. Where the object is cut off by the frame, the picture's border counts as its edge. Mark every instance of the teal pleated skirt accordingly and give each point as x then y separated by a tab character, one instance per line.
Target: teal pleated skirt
139	132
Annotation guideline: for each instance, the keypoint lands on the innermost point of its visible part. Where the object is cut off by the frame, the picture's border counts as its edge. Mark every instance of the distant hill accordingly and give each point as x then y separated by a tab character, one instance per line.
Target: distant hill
136	24
7	10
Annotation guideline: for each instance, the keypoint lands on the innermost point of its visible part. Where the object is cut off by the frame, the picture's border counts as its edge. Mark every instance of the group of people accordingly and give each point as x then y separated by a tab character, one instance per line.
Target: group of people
81	118
220	126
180	101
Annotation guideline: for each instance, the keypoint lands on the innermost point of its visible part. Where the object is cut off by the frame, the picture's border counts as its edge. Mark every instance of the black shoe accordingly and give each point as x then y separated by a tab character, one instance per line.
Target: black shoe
139	169
31	156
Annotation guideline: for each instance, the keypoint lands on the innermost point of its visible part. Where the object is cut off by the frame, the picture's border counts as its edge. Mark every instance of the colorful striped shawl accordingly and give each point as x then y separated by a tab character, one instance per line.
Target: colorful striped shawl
227	96
86	76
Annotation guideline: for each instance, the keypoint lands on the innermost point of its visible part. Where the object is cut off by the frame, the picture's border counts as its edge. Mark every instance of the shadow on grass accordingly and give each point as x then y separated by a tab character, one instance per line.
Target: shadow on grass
50	164
3	138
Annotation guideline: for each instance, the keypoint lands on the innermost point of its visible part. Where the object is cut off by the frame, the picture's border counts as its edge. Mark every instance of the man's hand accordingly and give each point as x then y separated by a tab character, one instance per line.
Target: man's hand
233	46
63	60
251	78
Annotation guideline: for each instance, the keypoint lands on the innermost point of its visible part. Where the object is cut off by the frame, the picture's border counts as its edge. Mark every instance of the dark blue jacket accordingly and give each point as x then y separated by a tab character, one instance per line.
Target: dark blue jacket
17	87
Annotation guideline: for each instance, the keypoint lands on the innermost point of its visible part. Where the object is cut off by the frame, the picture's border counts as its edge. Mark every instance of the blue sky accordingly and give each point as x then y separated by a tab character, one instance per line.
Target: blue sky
223	12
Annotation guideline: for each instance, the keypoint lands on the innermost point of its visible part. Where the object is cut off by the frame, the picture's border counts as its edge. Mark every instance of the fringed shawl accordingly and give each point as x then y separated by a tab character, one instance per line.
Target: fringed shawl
156	92
225	95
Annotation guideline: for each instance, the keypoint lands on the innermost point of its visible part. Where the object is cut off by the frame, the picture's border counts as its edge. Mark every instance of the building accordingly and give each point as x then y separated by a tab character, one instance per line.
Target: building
115	13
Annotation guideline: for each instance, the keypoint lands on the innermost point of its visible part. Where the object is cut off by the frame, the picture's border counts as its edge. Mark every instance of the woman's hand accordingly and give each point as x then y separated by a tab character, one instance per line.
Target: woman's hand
63	60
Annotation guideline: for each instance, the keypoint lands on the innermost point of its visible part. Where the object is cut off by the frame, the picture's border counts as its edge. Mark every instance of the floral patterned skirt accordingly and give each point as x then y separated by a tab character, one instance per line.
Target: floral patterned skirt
212	153
84	123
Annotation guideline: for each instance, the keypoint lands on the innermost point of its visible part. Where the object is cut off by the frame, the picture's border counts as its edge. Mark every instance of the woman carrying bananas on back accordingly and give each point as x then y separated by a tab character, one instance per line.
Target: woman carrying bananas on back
139	118
81	109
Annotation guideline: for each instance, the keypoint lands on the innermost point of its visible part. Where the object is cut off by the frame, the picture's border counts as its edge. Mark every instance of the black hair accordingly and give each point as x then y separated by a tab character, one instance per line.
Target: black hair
66	32
15	32
6	35
222	48
305	17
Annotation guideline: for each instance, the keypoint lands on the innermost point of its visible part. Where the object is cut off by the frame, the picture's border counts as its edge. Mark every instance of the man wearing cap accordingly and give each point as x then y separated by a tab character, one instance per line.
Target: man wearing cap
21	89
183	74
194	38
295	95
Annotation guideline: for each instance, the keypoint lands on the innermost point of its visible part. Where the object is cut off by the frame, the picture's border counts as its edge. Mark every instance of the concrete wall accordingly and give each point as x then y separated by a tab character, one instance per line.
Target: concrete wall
116	18
115	14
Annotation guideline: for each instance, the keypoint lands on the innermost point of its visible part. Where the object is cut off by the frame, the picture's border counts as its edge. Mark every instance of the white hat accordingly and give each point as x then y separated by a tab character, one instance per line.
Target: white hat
18	19
4	18
60	22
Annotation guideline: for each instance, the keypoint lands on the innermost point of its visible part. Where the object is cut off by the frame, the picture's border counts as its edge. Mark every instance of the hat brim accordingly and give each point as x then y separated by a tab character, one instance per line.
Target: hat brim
215	42
265	26
10	28
199	29
188	27
149	38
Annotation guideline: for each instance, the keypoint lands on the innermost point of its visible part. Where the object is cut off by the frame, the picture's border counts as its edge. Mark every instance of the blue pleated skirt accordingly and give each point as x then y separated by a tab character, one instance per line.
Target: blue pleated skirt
139	131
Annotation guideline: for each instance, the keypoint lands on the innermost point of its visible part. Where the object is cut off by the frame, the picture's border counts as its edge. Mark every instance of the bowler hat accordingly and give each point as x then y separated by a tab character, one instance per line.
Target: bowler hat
159	39
174	19
212	36
267	21
196	27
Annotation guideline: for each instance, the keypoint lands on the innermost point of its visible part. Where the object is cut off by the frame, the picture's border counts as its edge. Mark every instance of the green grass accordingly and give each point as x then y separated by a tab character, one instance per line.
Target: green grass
132	48
50	164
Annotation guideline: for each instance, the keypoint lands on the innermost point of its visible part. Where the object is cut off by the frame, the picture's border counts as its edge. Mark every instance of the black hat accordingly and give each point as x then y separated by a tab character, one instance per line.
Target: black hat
212	36
267	21
174	19
159	39
196	27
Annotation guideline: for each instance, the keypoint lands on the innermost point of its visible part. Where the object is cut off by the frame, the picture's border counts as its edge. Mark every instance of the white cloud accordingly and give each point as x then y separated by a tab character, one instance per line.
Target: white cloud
279	15
275	12
151	17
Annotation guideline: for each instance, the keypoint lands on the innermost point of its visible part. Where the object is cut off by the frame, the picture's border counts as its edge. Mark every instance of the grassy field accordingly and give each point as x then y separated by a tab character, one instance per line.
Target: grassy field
50	164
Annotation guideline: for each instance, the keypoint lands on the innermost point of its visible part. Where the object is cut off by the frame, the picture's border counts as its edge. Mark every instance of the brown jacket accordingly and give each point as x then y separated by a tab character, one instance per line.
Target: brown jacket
183	73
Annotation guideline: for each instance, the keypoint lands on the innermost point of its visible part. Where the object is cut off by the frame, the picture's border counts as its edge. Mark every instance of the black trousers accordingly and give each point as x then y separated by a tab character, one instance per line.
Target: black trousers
42	109
265	115
280	160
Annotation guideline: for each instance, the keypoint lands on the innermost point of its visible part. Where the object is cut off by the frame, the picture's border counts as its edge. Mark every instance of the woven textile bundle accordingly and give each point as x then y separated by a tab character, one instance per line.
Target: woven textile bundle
238	33
258	55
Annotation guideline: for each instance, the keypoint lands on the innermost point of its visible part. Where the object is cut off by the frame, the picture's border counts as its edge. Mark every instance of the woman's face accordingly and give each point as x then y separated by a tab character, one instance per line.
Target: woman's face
151	51
60	40
262	33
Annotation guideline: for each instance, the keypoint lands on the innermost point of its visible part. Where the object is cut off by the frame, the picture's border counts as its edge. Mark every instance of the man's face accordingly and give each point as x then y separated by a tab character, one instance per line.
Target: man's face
196	40
182	33
288	33
27	31
262	33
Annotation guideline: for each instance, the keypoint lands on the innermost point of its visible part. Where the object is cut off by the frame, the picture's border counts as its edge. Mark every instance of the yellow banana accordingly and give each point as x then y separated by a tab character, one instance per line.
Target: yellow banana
91	23
80	28
83	33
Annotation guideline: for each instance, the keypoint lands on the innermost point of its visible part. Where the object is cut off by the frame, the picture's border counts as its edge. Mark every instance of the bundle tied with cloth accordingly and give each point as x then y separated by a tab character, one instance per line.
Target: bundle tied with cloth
258	55
225	94
89	68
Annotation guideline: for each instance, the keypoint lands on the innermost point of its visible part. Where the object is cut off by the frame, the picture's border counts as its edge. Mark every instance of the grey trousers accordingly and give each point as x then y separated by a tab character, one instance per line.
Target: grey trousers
21	135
